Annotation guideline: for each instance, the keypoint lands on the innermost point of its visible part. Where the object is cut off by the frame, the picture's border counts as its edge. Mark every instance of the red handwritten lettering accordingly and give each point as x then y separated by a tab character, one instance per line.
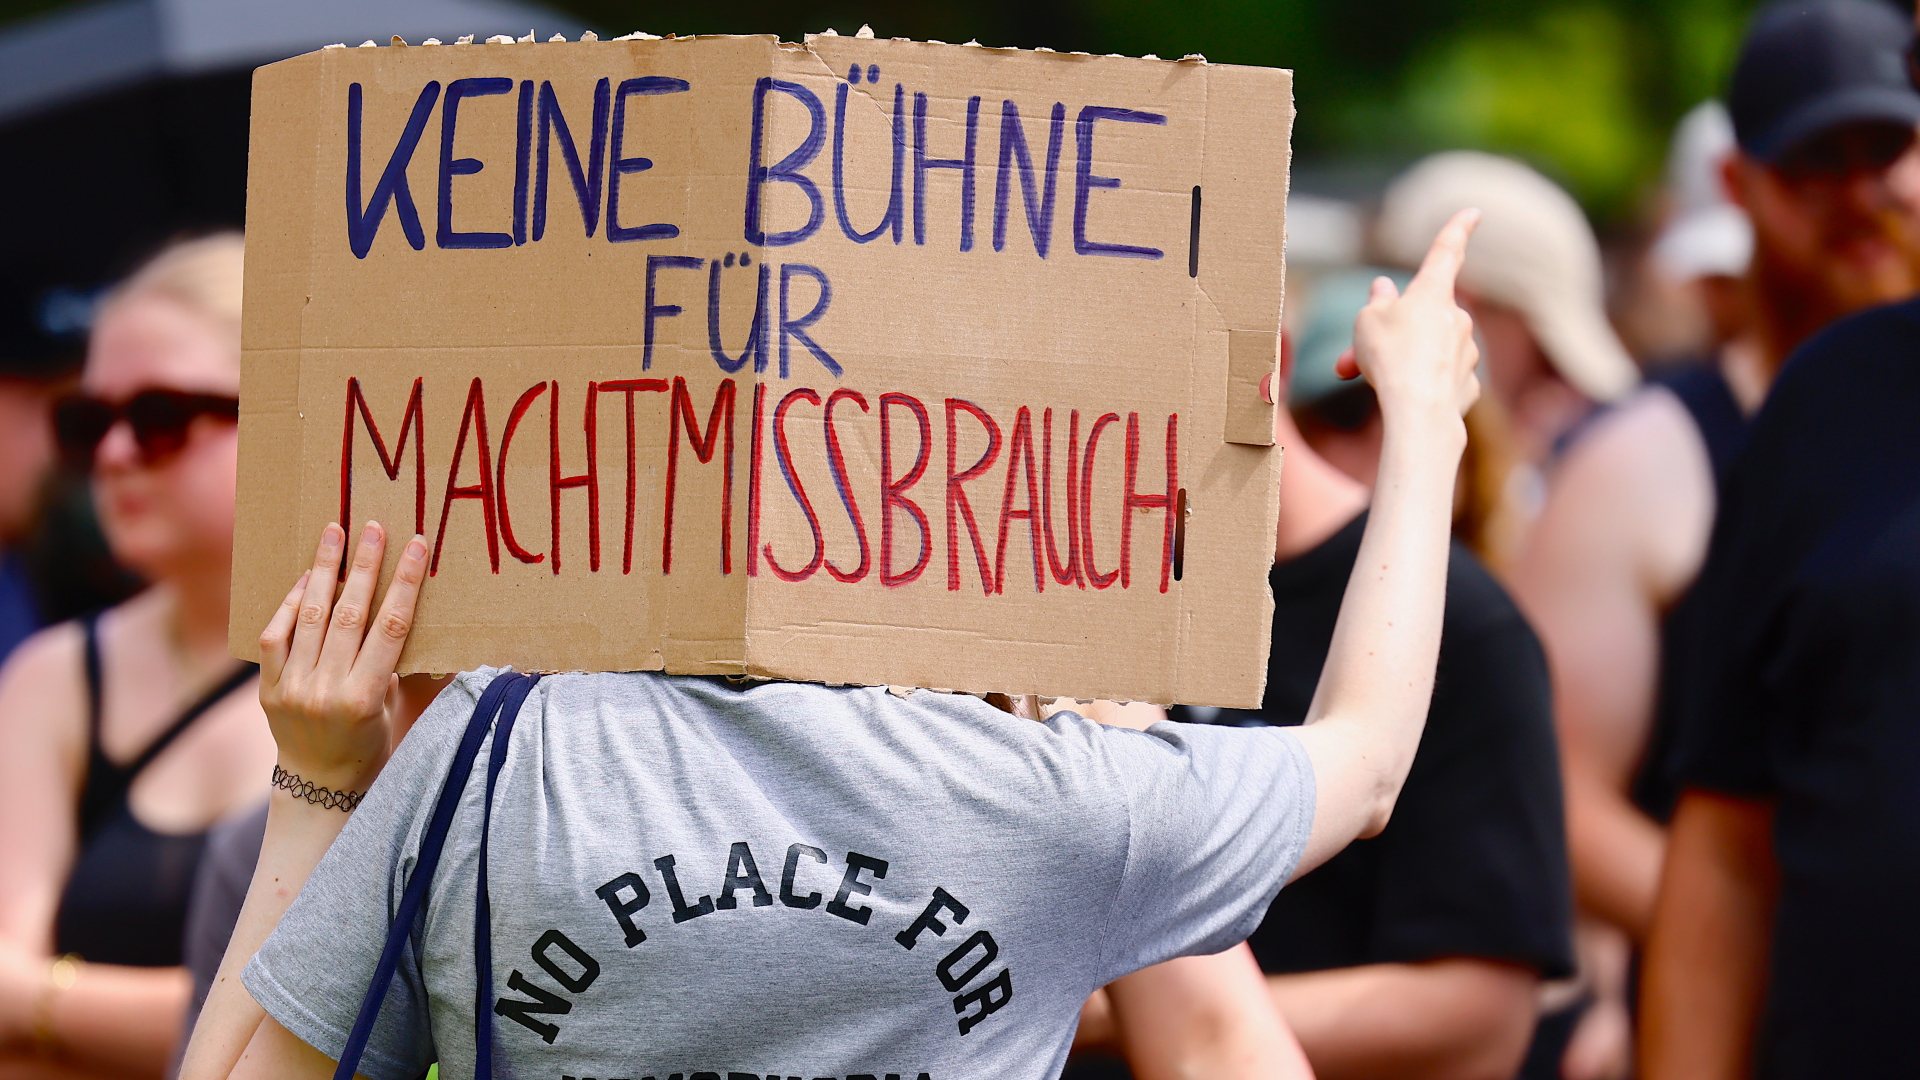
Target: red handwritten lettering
475	416
681	410
785	461
413	421
1070	572
590	479
957	505
1020	449
631	387
753	481
1099	580
893	492
838	464
520	408
1135	501
1062	552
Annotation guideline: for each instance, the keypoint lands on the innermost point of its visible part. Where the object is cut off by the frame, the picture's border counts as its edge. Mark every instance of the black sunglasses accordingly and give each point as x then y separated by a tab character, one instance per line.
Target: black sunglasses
160	420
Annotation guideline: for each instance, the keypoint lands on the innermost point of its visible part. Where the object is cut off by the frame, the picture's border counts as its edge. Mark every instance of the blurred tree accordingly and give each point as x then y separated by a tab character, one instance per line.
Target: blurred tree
1585	89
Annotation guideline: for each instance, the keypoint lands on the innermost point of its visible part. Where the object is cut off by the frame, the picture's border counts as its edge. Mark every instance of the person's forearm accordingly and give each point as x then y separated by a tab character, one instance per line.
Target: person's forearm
1464	1019
298	834
1416	350
1378	676
15	1067
112	1021
1705	973
1096	1033
328	688
1616	852
1203	1016
117	1020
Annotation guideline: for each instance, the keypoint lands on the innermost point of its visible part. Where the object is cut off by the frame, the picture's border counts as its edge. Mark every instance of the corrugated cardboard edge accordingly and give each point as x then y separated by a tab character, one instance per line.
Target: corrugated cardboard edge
283	159
1228	162
280	157
1253	361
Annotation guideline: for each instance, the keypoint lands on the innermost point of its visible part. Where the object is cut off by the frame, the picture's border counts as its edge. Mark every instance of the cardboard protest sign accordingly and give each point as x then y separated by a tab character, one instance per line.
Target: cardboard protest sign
856	361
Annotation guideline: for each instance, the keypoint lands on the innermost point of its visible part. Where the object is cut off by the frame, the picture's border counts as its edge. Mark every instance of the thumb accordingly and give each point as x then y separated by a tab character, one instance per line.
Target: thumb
1348	365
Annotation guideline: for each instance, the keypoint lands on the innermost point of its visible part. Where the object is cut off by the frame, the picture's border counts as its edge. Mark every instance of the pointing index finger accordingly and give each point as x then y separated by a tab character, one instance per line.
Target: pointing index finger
1449	251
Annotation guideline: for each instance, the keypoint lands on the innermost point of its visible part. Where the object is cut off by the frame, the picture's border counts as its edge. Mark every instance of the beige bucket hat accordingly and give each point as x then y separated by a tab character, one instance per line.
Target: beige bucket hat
1533	252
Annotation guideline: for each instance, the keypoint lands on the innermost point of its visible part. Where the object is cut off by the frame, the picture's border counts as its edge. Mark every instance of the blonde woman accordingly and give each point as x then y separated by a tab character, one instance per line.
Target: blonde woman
124	736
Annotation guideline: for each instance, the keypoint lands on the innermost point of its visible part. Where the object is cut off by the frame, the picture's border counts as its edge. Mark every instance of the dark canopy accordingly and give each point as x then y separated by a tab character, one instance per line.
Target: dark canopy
124	124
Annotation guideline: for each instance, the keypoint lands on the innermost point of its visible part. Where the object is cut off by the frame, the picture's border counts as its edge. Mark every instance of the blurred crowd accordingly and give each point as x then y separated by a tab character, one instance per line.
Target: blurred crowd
1663	821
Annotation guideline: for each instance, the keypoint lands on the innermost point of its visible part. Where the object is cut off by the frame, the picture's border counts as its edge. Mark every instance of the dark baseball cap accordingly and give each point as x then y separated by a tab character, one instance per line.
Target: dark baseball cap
1806	68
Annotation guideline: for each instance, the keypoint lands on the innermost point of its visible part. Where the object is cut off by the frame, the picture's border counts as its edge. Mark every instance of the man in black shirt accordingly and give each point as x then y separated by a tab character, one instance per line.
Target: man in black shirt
1417	953
1784	940
1789	701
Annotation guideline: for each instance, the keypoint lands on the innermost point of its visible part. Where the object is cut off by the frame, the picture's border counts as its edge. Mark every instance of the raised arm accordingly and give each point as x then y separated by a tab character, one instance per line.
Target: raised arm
327	684
1364	724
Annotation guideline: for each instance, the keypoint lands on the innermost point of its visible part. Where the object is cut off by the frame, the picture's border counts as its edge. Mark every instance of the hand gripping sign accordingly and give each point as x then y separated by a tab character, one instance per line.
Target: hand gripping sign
856	361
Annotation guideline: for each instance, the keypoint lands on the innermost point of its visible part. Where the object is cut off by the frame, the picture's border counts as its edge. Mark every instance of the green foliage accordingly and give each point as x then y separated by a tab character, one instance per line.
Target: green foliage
1558	89
1585	89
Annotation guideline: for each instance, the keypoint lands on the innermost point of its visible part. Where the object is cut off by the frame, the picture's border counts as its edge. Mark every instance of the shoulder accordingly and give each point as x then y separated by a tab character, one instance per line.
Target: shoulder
1854	342
1635	494
1861	366
1634	466
45	677
1633	441
43	719
1833	441
439	726
1492	676
49	653
1479	608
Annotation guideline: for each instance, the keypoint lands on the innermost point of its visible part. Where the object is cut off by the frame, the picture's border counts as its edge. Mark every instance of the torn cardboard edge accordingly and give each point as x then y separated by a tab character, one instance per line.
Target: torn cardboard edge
1181	316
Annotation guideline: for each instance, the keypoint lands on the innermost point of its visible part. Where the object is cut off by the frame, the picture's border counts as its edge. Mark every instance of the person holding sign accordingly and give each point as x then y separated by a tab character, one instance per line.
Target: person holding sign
1781	940
694	876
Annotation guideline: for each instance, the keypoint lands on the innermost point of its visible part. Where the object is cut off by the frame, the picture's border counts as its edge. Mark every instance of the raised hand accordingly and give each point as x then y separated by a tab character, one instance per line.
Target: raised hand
1364	725
327	665
1417	348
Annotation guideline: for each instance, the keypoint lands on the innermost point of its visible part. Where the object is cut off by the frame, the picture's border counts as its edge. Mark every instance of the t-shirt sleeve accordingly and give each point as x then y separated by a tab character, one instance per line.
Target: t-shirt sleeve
1474	862
1723	703
1726	708
1217	820
312	973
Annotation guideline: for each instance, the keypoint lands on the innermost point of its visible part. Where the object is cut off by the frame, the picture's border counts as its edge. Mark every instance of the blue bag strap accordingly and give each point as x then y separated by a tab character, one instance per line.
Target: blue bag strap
482	909
428	860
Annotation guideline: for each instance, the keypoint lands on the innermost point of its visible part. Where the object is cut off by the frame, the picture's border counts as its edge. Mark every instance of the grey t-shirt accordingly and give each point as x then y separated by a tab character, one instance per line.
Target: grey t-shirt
695	878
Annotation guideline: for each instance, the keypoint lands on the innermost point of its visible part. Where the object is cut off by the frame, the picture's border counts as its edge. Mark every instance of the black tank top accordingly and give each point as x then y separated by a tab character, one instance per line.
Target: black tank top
126	899
1723	427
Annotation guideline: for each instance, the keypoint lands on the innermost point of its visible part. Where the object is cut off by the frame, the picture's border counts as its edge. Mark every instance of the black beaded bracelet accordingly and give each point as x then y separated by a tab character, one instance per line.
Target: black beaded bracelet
318	796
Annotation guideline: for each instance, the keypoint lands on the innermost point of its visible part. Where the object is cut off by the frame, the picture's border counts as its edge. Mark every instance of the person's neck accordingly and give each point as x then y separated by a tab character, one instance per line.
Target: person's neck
1789	306
1781	330
1542	411
1748	367
1316	499
196	610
